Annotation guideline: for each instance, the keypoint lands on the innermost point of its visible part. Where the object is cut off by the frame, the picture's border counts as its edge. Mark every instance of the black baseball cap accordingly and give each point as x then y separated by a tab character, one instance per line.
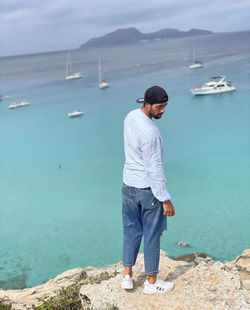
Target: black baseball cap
154	94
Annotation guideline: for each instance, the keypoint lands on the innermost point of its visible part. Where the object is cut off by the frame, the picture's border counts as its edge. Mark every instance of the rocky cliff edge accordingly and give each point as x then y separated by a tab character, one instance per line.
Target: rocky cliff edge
200	284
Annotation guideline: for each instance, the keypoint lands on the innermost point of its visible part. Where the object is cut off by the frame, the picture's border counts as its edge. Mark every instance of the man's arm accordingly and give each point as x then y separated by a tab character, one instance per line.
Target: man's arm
153	161
151	147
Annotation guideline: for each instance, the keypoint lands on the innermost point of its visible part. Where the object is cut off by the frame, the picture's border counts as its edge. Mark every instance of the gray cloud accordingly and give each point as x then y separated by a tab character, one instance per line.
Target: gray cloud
62	24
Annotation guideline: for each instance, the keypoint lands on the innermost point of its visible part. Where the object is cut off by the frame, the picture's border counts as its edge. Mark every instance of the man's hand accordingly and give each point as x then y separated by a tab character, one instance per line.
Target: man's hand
168	208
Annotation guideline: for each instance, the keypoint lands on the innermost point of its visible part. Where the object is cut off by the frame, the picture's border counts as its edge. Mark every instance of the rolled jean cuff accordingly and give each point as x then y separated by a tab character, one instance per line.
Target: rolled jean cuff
128	265
149	273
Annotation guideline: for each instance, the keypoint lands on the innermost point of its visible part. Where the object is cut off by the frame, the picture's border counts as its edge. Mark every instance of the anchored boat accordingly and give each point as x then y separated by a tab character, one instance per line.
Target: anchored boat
75	113
18	105
216	86
195	63
102	83
69	74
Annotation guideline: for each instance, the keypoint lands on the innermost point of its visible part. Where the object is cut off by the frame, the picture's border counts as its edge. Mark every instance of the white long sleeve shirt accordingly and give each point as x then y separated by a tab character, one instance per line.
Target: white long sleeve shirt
144	155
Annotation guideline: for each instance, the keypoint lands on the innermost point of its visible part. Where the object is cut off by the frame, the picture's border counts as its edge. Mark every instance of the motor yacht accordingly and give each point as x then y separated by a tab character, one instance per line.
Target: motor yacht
18	105
216	86
75	113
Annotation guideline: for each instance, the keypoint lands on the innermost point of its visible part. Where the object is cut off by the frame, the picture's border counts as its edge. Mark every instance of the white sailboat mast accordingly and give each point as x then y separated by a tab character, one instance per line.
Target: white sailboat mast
68	66
100	69
193	54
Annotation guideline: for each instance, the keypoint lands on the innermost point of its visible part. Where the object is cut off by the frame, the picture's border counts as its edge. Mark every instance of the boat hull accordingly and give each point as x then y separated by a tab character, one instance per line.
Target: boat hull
75	114
73	76
18	105
199	91
103	85
196	66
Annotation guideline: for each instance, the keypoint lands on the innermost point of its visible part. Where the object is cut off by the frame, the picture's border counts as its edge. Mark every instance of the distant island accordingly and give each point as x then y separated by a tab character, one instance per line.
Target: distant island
133	35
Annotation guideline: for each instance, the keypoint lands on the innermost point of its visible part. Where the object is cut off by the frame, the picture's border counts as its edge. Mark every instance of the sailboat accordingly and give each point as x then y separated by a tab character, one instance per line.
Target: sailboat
69	75
102	83
195	63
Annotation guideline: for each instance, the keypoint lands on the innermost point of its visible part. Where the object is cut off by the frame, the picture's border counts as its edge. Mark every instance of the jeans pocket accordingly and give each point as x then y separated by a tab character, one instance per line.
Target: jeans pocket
149	201
127	195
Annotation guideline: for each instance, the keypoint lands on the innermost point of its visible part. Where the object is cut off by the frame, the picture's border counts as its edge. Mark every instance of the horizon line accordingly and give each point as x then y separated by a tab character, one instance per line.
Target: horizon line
73	49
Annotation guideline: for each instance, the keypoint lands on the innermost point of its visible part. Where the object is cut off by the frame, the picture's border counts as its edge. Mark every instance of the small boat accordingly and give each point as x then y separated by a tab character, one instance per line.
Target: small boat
73	76
102	83
69	75
75	113
18	105
195	63
216	86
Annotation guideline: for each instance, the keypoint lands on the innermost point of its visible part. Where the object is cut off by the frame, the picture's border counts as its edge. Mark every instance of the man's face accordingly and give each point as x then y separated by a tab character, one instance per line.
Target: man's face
155	110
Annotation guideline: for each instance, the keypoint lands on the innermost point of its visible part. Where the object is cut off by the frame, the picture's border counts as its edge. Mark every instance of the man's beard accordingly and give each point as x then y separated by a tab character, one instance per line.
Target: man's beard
156	116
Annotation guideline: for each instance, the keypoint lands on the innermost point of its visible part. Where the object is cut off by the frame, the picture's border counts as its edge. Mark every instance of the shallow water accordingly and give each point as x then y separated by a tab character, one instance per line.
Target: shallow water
53	219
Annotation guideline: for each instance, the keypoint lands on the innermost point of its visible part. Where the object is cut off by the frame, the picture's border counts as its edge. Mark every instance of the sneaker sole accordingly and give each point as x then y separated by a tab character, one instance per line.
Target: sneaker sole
158	292
127	287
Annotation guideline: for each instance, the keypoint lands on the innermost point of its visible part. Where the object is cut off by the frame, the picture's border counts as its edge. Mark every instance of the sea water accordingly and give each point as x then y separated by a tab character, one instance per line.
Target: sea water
60	178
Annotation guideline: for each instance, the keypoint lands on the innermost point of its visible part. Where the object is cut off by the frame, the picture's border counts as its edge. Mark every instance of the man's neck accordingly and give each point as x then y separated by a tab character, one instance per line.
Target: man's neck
146	112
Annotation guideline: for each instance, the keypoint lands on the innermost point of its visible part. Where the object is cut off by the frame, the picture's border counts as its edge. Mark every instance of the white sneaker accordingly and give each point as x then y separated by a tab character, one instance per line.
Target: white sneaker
159	287
127	283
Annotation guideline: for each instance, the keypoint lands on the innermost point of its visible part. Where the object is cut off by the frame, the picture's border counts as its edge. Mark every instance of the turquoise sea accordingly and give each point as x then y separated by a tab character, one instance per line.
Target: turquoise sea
53	219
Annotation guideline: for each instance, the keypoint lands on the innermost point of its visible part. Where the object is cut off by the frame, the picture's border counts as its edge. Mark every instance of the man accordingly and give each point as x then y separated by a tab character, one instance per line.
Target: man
145	199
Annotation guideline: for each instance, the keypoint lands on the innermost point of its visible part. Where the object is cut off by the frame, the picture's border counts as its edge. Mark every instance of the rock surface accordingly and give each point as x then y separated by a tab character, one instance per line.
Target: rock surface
199	284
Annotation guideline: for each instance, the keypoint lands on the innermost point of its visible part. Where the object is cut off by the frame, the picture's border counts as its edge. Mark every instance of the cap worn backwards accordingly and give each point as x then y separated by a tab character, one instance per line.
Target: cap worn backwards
154	94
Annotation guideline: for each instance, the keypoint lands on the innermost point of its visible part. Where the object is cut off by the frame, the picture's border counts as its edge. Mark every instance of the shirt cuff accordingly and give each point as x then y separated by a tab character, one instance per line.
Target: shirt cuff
161	194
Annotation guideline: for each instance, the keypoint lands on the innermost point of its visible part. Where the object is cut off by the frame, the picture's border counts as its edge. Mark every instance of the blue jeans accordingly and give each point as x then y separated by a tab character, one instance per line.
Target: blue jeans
142	215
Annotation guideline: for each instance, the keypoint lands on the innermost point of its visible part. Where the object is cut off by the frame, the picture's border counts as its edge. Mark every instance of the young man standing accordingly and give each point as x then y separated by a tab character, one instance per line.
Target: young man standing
145	199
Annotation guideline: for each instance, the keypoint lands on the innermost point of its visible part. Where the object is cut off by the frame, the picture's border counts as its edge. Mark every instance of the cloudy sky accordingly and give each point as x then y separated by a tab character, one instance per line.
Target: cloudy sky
30	26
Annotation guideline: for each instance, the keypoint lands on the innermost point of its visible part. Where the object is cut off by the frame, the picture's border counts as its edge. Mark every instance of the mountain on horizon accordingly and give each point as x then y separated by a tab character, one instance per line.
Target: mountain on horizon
132	35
